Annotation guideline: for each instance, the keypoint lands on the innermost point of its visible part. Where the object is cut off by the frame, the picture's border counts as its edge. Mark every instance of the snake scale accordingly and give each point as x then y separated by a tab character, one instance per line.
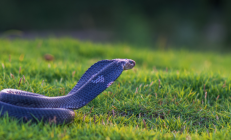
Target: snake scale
28	106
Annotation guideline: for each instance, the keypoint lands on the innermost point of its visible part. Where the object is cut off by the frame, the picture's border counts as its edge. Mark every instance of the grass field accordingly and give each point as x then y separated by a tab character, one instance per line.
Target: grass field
173	94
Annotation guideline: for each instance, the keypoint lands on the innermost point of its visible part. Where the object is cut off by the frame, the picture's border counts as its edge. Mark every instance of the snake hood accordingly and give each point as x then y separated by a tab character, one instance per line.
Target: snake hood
32	106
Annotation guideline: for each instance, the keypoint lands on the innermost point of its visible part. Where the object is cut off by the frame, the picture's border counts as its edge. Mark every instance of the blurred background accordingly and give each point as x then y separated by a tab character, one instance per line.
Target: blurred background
161	24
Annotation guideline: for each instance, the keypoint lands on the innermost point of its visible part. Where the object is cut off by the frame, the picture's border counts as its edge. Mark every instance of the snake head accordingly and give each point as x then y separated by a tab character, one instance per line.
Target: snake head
127	63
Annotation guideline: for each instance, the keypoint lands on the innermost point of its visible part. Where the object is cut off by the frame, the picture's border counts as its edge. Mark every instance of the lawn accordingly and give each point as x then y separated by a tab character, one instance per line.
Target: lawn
170	94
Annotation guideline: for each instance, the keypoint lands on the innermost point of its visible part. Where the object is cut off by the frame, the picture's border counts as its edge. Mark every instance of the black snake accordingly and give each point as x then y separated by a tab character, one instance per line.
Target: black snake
26	106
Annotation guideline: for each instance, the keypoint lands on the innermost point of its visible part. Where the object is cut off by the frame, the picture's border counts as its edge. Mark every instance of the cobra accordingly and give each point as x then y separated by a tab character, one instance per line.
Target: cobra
28	106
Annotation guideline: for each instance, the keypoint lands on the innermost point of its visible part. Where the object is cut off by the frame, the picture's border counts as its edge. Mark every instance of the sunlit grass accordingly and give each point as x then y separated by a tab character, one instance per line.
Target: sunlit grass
169	94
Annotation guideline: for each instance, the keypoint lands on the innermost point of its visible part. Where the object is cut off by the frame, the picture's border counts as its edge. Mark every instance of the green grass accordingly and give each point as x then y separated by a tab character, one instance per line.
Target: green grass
168	95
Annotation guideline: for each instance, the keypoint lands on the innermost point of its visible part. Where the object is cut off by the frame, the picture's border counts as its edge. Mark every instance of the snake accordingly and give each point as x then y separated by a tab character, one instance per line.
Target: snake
27	106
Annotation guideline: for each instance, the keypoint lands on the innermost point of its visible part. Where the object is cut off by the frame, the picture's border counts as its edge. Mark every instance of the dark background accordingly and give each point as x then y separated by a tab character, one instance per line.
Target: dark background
192	24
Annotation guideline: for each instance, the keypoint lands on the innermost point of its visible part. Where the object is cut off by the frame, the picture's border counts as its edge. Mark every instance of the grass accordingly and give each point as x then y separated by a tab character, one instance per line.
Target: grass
173	94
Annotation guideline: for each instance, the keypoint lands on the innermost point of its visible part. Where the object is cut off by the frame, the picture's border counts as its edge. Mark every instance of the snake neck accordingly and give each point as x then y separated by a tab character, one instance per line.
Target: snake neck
70	102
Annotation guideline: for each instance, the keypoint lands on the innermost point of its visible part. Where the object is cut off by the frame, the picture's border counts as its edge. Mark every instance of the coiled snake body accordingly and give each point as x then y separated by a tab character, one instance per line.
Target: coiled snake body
35	107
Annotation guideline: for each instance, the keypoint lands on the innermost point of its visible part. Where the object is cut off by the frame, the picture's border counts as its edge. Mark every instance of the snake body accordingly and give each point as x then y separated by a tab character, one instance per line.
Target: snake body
26	106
